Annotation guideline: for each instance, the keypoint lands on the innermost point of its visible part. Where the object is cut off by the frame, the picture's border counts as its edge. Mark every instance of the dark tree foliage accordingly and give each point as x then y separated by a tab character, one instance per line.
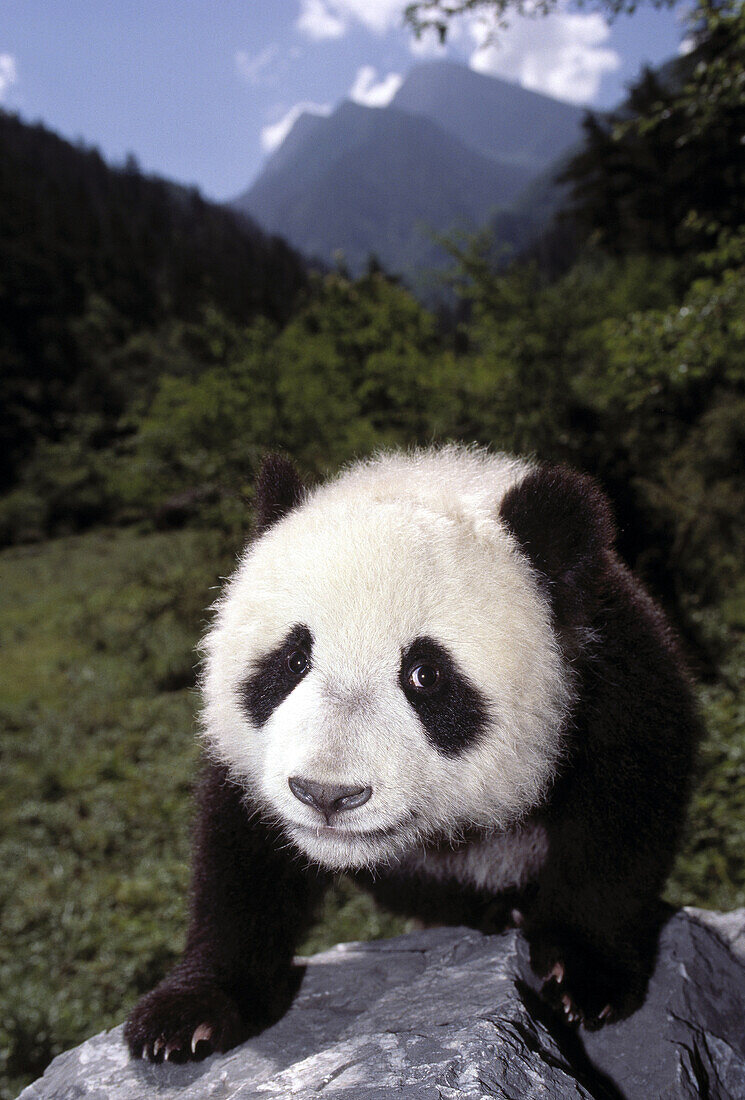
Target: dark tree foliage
666	173
74	231
631	191
439	15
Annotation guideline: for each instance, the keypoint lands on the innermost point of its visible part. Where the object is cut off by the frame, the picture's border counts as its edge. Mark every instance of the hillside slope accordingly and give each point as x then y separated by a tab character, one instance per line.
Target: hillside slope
91	254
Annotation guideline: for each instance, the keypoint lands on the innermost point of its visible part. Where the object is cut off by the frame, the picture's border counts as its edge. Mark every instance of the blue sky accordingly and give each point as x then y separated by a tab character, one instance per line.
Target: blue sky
202	90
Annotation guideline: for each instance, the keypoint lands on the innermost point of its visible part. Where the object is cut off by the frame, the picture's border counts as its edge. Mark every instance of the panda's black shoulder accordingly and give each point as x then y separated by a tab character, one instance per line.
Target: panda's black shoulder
616	638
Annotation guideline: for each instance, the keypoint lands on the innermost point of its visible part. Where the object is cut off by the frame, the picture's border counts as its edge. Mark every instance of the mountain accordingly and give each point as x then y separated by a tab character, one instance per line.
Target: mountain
367	180
454	151
500	120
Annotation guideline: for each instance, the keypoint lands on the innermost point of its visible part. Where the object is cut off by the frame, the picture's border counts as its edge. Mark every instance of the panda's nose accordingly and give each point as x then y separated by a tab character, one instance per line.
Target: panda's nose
329	798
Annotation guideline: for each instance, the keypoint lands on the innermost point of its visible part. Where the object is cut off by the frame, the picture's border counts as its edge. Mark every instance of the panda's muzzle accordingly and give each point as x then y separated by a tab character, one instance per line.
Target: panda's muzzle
328	798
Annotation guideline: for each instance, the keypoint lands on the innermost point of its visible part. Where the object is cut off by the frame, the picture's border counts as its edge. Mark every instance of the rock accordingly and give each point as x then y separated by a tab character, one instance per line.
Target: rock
451	1013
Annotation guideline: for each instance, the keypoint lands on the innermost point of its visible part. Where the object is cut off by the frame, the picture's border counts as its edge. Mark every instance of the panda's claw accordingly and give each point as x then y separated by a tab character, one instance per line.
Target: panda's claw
202	1034
557	972
571	1011
177	1025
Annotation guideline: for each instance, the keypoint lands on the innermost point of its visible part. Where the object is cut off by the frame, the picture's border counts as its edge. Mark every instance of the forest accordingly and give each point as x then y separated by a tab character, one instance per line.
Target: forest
153	347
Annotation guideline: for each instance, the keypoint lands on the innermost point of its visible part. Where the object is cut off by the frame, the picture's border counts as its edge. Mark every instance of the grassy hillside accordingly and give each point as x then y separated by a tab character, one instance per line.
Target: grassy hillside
97	760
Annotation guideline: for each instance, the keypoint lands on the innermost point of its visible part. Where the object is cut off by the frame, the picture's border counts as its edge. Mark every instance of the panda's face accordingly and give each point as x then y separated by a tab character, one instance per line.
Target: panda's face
379	675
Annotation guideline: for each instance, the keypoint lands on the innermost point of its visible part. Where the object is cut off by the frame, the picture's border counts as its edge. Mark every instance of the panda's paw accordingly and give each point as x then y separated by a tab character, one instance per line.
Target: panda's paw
582	989
585	991
589	1007
181	1025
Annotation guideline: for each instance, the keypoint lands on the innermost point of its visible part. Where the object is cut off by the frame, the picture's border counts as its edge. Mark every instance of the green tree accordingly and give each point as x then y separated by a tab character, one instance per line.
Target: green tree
669	386
666	172
340	379
352	370
438	15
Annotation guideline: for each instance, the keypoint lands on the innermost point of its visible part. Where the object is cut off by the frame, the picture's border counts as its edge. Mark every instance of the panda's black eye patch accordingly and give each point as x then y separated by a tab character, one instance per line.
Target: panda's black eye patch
276	674
451	709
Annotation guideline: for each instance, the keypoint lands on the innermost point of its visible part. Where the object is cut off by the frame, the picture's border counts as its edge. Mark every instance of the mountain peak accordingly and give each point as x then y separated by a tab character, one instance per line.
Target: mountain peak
497	118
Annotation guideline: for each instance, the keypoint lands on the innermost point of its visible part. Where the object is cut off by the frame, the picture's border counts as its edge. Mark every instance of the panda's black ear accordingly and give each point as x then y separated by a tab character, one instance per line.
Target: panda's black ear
564	524
278	490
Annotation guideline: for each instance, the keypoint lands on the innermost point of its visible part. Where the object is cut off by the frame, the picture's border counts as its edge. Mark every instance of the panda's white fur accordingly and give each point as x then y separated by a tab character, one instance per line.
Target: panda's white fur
402	546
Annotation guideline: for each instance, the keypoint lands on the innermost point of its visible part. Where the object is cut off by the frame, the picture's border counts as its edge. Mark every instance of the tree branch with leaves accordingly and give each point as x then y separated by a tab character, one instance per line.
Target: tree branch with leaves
438	15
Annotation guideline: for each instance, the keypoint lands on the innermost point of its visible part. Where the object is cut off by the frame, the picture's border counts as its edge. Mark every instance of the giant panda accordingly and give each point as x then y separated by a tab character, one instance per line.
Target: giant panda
434	673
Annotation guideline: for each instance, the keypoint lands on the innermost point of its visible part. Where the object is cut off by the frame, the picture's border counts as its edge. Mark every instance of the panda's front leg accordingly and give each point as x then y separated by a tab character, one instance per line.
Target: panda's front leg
592	944
252	899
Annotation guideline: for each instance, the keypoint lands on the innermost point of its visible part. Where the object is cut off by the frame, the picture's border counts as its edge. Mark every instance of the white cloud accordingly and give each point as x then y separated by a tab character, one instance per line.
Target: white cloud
272	136
251	68
317	21
562	54
376	15
8	72
366	91
333	18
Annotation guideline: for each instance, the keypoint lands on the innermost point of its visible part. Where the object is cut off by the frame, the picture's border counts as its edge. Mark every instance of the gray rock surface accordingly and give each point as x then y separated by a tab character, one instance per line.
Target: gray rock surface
449	1013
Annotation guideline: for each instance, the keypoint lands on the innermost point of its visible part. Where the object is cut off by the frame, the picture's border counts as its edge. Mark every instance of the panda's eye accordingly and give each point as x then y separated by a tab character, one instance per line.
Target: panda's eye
424	677
297	662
